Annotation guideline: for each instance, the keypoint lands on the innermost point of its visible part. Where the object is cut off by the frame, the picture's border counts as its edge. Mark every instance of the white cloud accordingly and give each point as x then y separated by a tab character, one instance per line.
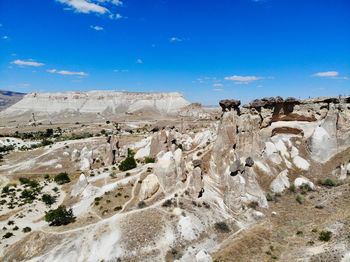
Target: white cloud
218	85
114	2
327	74
96	27
94	6
175	39
26	63
84	6
116	16
243	79
139	61
5	37
65	72
218	89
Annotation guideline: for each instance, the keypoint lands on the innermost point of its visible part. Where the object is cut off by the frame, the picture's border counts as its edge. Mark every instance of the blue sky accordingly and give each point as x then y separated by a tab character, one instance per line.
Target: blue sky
206	49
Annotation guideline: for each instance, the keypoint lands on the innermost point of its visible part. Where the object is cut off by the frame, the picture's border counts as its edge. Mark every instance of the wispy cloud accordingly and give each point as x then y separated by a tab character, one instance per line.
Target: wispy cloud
27	63
84	6
5	37
139	61
114	2
218	89
66	72
218	85
175	39
243	79
326	74
93	6
96	27
121	70
116	16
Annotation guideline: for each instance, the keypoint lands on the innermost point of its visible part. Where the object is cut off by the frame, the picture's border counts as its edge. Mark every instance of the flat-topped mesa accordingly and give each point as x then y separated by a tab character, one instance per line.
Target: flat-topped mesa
100	101
228	104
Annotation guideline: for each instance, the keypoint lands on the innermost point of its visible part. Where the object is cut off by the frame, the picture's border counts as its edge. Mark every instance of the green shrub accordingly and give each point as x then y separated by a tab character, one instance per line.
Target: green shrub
26	230
150	160
29	182
325	236
48	199
7	235
305	188
222	227
269	197
299	199
292	188
59	216
28	195
62	178
46	142
328	182
141	204
128	163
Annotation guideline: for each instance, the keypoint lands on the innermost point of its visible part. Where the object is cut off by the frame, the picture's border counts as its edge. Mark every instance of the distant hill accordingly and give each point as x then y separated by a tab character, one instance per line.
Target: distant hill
8	98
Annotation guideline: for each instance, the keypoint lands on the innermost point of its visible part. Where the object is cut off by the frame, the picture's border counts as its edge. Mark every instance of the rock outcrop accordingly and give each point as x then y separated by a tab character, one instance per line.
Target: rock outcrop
99	102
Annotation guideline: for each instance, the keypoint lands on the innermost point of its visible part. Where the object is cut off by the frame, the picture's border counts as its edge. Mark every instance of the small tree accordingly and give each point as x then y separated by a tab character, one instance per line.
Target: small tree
59	216
325	236
62	178
48	199
129	162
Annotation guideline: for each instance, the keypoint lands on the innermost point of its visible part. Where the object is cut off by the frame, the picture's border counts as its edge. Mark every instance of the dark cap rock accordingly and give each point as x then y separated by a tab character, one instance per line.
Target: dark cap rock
228	104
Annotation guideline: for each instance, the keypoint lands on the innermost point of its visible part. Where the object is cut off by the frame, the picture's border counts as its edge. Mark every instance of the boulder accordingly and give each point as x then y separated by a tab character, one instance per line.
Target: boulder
203	256
298	182
280	183
149	187
249	162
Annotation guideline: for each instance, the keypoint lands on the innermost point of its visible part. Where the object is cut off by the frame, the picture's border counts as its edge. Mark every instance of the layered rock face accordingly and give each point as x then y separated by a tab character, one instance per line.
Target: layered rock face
99	102
275	139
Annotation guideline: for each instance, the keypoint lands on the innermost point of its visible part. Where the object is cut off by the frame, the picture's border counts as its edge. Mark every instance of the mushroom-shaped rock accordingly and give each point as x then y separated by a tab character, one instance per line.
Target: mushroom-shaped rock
280	183
149	187
228	104
298	182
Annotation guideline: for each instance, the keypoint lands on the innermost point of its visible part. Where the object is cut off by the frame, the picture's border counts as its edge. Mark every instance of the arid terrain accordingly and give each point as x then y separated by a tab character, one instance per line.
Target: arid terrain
114	176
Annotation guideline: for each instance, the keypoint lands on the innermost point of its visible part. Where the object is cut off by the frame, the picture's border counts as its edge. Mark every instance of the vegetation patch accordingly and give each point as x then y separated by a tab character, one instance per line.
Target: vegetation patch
62	178
59	216
222	227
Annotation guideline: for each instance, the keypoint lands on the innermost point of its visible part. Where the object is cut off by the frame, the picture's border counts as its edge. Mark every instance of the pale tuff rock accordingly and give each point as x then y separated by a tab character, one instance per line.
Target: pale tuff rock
111	150
280	183
324	139
75	155
203	256
196	182
99	101
149	187
298	182
80	185
85	159
158	143
169	169
301	163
